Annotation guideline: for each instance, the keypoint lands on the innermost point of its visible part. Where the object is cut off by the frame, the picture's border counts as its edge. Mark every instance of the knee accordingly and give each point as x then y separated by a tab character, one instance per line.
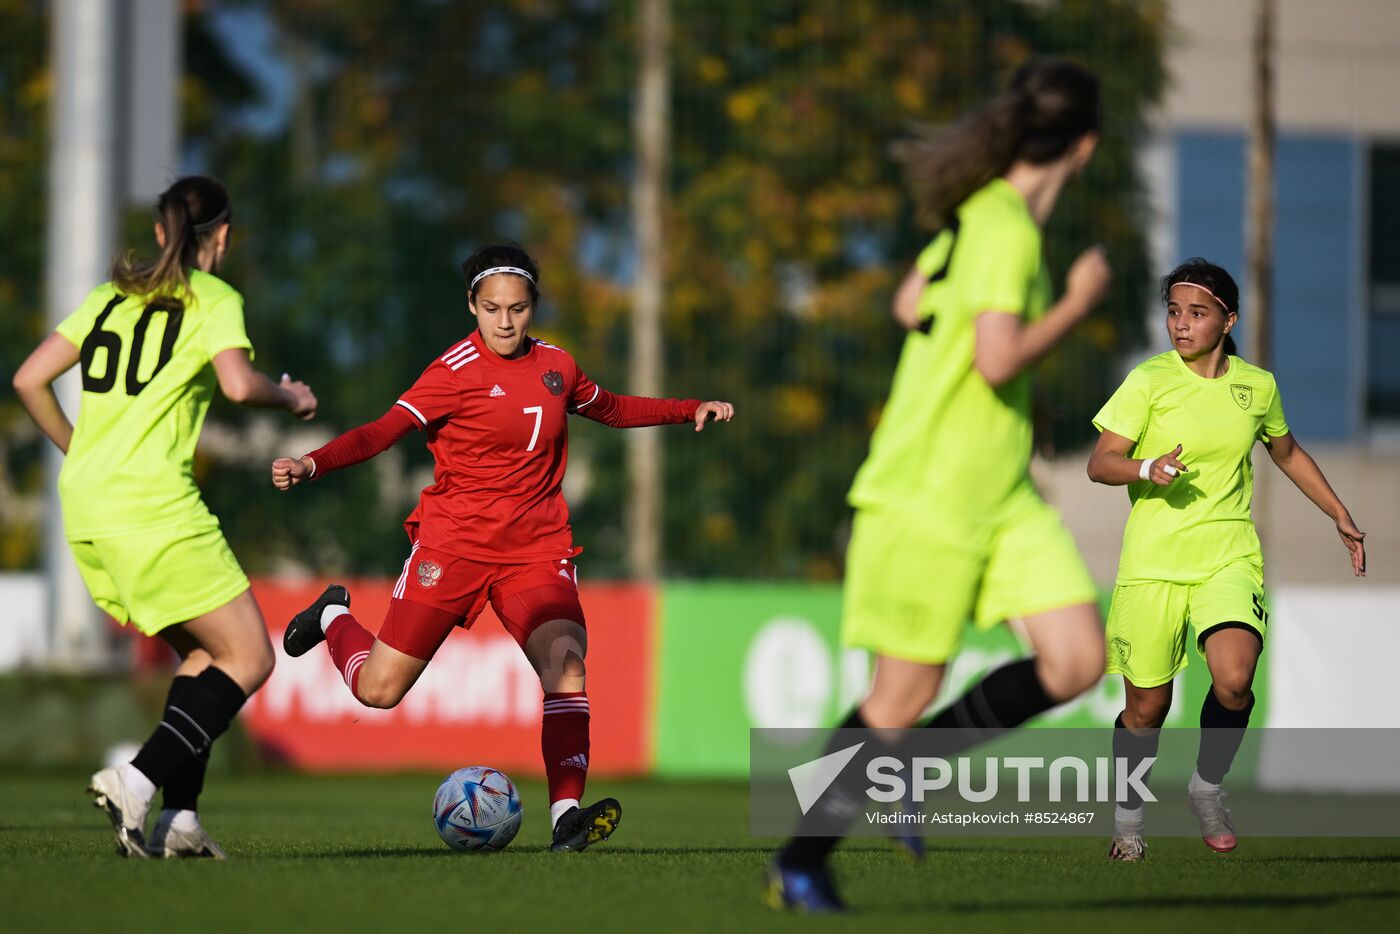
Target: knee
1067	674
1232	687
261	668
1146	712
893	710
378	692
890	714
569	675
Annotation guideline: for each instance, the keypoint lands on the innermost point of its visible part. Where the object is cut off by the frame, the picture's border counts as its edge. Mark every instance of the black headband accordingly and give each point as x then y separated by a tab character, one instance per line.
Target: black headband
224	215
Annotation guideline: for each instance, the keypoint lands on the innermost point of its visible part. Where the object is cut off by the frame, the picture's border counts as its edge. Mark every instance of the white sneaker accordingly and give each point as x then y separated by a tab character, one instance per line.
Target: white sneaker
177	840
126	809
1127	848
1217	827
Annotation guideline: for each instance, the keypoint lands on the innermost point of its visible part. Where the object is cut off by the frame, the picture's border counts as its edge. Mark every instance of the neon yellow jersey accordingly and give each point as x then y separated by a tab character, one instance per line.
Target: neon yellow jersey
949	445
147	383
1201	522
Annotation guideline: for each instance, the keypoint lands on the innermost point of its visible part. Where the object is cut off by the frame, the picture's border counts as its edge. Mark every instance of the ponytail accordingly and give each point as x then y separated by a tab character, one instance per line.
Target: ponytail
942	167
1050	106
188	212
1230	348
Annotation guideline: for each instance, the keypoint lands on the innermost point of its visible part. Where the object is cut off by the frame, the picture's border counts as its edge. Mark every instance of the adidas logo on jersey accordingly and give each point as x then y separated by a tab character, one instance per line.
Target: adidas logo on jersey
579	761
496	390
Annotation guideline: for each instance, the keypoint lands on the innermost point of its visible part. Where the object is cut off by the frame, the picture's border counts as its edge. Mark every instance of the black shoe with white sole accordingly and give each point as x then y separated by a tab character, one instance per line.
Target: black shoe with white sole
304	631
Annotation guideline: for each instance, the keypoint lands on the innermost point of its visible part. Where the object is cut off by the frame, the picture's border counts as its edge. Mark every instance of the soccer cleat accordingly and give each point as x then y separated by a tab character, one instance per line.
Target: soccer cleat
124	808
169	842
304	631
911	845
1217	829
807	890
1127	848
578	829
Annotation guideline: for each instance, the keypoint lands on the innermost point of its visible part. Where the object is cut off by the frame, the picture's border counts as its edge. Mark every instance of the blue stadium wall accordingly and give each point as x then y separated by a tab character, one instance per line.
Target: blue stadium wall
1319	268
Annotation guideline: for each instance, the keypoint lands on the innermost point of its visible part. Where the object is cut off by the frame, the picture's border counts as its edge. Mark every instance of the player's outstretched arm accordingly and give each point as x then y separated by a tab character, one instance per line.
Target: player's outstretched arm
1111	465
243	385
1006	346
353	447
643	412
33	383
1298	465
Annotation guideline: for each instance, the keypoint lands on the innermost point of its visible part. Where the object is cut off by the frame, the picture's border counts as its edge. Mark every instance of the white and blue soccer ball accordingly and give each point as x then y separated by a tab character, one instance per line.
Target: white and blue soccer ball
477	808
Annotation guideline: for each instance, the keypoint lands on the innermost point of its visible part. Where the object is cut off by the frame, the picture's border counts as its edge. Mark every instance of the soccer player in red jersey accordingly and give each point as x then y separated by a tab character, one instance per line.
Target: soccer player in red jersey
493	526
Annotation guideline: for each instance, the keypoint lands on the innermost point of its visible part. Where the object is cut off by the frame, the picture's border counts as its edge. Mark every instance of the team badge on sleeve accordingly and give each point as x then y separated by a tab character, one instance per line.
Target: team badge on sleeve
429	573
554	382
1244	395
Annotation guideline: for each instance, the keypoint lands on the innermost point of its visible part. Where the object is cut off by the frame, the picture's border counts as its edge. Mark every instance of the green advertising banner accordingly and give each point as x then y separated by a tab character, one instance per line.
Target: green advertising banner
736	656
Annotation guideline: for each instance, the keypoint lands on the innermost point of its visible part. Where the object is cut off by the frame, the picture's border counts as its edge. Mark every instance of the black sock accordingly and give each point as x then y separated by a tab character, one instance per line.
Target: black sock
1222	731
1004	699
1133	747
199	716
844	794
181	792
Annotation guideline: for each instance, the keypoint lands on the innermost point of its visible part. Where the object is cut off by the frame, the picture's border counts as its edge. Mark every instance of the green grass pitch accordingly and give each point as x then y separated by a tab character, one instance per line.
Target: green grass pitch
360	854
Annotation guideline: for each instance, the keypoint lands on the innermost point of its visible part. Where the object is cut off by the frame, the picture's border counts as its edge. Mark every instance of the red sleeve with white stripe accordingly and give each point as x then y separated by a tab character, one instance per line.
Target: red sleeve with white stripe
434	397
592	401
360	444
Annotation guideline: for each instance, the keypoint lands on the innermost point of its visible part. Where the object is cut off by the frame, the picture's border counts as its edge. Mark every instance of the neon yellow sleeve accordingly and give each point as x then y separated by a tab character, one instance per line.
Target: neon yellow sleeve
78	325
1274	425
999	278
224	328
1126	411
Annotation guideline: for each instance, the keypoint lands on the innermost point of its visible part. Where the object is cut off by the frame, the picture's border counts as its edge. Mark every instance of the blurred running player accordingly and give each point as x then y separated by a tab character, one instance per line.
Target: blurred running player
1179	434
493	526
948	526
152	344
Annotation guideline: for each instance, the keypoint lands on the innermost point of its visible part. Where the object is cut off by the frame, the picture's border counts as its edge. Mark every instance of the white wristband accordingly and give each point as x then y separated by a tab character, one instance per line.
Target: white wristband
1145	469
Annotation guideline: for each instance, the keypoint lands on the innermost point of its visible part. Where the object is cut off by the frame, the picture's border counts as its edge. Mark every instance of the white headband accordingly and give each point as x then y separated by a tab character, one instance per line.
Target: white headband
513	270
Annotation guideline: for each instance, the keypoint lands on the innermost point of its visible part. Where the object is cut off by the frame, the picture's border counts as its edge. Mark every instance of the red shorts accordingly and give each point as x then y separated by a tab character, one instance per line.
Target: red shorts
438	591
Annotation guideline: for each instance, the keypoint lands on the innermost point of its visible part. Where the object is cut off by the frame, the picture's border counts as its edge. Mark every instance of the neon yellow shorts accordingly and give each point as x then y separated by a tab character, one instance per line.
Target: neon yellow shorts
913	584
154	579
1147	623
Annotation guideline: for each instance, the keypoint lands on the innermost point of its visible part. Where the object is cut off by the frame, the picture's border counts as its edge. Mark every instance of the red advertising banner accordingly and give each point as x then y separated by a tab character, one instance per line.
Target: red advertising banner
478	702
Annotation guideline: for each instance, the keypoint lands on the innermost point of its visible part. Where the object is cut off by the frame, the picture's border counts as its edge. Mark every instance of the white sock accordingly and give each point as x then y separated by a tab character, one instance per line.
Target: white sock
558	809
137	782
182	820
330	613
1127	822
1199	786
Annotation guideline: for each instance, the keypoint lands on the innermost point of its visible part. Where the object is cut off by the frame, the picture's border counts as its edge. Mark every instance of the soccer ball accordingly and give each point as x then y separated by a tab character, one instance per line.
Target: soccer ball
477	808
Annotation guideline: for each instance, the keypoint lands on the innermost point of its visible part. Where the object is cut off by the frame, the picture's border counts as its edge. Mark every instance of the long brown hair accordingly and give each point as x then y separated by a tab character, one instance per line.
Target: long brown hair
1049	107
189	211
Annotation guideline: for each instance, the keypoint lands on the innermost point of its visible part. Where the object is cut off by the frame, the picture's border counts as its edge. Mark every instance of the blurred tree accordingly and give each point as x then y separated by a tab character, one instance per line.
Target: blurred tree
24	99
385	141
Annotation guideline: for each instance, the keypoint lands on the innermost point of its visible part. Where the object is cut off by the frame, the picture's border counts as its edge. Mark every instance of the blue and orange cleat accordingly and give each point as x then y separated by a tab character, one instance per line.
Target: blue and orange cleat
803	889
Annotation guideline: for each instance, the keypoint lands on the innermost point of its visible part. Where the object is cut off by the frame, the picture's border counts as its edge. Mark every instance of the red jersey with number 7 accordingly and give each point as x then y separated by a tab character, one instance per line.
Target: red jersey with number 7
498	430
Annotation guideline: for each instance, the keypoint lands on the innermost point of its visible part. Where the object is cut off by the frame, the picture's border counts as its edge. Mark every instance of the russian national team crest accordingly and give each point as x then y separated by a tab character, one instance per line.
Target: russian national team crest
429	573
1244	395
554	382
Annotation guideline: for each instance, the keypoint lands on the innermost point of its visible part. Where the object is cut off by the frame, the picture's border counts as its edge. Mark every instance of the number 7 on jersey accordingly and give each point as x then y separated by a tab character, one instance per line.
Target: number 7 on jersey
538	412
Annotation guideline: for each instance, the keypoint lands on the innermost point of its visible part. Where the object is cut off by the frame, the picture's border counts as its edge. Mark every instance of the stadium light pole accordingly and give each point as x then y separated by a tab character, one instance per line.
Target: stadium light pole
114	137
651	119
1259	214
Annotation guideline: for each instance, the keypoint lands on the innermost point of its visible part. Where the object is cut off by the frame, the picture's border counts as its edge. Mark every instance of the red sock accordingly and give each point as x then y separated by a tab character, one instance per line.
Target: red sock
349	643
564	741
